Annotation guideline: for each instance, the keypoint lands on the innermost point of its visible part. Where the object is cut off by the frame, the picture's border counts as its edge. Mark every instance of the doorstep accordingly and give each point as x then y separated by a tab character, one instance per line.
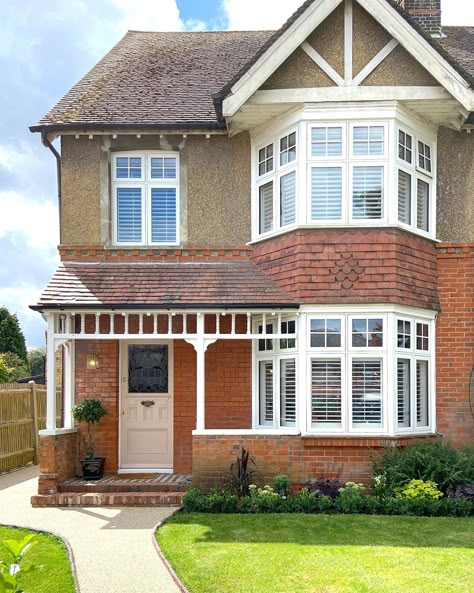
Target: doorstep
108	499
157	483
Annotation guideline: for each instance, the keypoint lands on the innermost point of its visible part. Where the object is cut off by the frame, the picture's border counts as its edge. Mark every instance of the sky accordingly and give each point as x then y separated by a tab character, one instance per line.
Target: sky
46	46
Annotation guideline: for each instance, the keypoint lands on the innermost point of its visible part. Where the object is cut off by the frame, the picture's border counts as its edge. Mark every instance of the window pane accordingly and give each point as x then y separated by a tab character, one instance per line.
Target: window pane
326	193
405	146
422	336
422	382
403	393
422	205
288	392
367	333
326	142
368	140
325	333
288	199
266	207
403	334
128	167
265	345
163	168
367	393
326	393
367	192
129	215
265	392
265	159
404	197
424	156
288	327
288	149
163	215
148	369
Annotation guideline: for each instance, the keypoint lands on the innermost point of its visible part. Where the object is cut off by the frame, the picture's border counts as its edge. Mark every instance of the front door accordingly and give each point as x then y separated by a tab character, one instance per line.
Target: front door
147	407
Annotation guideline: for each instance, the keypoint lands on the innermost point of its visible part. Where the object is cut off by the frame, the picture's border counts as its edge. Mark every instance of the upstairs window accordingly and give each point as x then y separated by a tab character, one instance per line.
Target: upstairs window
145	189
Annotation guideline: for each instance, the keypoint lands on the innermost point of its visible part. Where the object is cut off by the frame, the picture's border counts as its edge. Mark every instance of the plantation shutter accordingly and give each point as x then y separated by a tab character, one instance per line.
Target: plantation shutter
403	393
129	215
326	393
367	192
288	199
404	197
288	392
266	207
422	393
422	205
367	393
163	215
326	193
265	392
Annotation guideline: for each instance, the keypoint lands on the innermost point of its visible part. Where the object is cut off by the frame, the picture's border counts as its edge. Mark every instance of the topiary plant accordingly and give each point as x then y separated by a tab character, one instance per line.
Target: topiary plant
89	411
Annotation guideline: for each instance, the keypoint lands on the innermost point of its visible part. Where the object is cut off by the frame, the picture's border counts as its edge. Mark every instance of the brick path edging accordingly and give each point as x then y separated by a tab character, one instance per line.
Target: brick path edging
179	583
62	539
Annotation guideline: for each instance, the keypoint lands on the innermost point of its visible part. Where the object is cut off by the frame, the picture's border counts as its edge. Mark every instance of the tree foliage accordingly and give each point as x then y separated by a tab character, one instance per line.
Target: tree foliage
15	367
11	337
36	357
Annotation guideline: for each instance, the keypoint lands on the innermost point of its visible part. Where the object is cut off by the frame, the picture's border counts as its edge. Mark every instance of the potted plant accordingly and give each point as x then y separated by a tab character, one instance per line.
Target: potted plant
90	411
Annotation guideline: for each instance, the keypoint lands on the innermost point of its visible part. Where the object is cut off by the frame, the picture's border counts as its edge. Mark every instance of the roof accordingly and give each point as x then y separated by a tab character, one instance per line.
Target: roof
178	79
161	285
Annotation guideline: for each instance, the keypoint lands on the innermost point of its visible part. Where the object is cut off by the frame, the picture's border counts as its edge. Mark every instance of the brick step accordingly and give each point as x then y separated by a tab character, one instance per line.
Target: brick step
108	499
110	488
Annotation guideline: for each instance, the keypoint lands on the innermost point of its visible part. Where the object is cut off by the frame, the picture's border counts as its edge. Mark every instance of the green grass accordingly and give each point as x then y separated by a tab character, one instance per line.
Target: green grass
53	572
320	553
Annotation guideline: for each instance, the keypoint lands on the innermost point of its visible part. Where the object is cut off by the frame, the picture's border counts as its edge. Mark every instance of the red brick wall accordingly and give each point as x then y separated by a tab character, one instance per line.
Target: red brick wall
455	342
102	384
352	266
299	458
58	460
184	405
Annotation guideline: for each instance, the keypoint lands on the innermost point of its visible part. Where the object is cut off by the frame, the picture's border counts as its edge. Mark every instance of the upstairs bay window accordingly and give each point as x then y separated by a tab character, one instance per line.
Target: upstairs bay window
145	204
344	173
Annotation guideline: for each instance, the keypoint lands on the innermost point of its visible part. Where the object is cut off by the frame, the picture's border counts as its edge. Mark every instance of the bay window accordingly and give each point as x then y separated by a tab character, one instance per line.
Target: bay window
145	205
351	172
367	372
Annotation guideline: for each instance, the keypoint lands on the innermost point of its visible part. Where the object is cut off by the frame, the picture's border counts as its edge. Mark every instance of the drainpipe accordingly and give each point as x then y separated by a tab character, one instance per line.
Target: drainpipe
45	141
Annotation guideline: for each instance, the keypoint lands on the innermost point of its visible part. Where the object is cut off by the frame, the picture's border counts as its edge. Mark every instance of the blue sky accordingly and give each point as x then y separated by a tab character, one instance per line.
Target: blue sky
45	47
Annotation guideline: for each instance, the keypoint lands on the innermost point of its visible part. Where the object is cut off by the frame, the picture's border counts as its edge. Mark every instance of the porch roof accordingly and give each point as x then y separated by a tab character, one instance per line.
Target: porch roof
161	285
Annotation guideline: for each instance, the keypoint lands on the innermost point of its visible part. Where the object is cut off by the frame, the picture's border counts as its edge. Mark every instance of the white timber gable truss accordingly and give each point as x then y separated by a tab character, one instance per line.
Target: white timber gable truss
448	104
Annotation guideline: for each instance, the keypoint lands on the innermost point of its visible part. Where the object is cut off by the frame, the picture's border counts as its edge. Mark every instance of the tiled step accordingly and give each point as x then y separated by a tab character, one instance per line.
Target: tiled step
109	484
115	499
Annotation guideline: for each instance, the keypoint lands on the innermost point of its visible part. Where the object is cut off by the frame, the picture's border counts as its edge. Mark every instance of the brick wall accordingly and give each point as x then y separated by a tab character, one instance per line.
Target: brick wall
58	460
352	266
184	405
100	383
455	342
299	458
427	13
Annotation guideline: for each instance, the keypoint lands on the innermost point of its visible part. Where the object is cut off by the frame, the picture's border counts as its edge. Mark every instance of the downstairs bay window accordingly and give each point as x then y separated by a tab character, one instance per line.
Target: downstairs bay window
353	373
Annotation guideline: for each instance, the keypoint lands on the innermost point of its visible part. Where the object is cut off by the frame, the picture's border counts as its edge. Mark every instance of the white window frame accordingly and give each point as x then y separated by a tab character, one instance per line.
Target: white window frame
146	184
309	148
320	354
417	164
367	221
368	157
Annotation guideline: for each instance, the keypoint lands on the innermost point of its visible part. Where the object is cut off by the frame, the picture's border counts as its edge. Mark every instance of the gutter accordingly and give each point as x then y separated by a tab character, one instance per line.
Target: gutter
102	126
46	142
159	306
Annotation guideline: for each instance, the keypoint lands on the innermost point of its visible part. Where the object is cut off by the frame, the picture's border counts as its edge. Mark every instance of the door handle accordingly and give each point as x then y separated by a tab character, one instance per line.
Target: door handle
147	403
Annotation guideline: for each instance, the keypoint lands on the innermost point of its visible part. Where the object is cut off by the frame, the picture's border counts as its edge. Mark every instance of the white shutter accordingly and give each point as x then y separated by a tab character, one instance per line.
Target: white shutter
422	393
326	193
326	393
367	192
129	215
288	392
266	207
265	369
422	205
163	215
404	197
403	393
367	393
288	199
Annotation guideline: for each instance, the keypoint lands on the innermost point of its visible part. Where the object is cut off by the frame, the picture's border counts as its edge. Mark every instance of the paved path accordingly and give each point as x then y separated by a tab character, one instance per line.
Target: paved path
113	547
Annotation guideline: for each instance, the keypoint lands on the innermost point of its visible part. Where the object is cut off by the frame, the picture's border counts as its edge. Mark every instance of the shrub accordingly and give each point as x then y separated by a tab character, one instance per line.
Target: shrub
325	504
265	500
324	487
195	501
282	485
463	492
437	462
240	476
303	502
351	498
419	490
89	411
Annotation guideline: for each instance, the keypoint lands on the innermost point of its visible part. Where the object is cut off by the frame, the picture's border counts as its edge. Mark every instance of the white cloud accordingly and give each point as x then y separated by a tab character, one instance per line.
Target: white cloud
259	14
457	12
155	15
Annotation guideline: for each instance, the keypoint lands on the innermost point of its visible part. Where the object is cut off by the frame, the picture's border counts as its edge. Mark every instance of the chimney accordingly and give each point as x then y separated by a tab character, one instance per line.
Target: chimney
427	13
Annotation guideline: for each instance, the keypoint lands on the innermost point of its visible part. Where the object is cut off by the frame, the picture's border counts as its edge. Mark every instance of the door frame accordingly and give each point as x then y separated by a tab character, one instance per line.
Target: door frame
123	346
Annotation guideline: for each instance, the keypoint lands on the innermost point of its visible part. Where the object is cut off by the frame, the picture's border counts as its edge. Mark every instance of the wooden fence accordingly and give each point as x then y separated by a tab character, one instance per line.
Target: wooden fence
22	415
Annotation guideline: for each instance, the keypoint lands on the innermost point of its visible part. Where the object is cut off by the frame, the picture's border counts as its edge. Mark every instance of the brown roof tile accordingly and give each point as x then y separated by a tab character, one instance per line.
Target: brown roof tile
165	285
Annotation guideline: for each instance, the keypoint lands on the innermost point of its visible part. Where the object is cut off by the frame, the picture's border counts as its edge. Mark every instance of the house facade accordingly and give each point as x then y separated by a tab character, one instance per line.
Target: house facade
267	240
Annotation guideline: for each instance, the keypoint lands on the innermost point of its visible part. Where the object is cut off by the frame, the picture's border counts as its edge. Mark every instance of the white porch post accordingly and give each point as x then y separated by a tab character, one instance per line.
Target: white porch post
200	374
68	384
51	375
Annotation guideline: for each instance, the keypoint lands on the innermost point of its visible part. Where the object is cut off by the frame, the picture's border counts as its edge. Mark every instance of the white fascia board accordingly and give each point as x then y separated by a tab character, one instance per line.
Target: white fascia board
350	93
277	53
421	50
372	308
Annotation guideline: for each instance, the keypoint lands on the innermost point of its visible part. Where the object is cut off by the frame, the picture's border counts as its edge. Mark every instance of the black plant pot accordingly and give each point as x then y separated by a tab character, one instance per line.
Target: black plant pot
93	469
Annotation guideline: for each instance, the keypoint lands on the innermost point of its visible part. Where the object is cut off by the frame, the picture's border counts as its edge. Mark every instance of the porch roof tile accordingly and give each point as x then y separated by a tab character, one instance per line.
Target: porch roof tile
161	284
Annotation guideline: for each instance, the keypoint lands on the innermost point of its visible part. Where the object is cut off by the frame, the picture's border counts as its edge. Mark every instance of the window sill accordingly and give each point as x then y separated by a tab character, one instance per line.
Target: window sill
362	440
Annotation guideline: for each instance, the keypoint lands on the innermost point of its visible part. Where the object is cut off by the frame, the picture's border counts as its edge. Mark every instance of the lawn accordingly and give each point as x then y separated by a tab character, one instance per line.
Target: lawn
53	573
320	553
